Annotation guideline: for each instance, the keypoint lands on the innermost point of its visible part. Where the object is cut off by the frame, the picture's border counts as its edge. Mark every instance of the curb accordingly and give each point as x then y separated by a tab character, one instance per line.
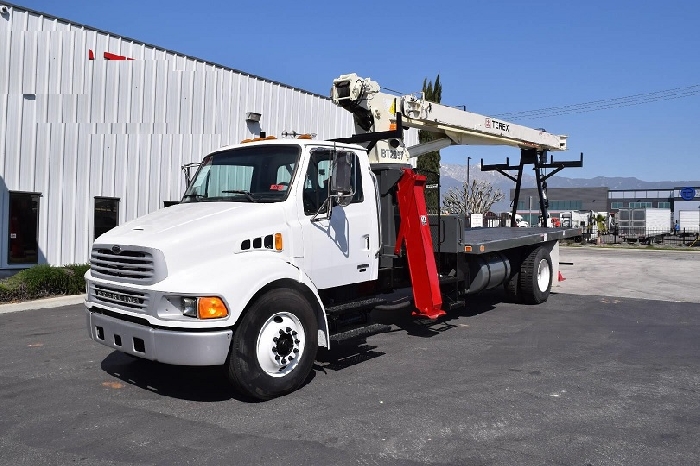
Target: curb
42	303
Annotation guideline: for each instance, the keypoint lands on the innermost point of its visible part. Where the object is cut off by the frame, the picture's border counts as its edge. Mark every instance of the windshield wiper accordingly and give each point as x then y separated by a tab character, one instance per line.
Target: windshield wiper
240	191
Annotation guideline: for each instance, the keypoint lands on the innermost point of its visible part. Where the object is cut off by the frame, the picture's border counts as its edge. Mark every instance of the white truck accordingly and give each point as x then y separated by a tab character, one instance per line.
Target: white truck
506	220
688	222
281	246
582	219
644	224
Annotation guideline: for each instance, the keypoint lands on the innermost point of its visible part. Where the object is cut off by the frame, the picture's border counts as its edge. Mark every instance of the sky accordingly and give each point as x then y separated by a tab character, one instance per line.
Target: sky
494	57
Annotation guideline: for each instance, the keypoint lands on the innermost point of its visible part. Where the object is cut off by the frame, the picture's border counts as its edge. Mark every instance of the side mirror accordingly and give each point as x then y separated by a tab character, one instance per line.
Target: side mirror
341	178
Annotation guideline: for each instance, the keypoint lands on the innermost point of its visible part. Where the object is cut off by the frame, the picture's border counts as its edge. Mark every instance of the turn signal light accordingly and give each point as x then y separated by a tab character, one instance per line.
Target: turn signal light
278	241
211	307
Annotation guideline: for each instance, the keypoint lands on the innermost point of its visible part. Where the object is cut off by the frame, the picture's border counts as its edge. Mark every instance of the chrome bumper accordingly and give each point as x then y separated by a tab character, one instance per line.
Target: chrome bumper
176	347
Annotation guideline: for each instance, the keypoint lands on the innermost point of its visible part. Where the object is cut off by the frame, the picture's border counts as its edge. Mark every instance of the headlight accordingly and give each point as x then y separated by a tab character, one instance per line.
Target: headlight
189	306
204	307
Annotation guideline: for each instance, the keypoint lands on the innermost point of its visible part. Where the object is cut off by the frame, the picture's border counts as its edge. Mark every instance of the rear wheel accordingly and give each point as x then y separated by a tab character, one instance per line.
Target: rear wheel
536	276
274	346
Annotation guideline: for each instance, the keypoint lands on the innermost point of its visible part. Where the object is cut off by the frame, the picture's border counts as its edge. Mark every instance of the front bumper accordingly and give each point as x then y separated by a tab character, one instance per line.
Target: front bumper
178	347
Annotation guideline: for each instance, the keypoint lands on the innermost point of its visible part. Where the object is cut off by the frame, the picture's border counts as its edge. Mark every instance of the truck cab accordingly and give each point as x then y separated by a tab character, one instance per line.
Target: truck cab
295	215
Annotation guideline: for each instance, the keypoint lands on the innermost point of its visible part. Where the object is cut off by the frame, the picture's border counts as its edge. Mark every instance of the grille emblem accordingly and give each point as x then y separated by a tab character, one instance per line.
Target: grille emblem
116	249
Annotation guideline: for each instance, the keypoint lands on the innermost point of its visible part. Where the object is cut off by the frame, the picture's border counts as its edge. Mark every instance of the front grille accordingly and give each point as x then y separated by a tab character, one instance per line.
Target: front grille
133	300
127	264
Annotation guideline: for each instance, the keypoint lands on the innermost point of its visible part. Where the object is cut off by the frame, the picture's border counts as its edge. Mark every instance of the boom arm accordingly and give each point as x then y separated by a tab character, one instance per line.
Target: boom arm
375	111
379	113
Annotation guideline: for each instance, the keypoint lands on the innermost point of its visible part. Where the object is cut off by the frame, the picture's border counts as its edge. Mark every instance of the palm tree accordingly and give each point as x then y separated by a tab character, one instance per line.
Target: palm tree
600	221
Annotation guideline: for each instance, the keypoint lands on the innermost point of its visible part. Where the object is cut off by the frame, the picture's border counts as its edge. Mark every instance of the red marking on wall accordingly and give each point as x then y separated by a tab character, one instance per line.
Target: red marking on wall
112	56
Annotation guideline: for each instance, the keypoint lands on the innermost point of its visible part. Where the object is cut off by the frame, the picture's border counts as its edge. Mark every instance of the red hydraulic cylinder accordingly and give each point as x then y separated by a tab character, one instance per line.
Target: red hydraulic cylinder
415	232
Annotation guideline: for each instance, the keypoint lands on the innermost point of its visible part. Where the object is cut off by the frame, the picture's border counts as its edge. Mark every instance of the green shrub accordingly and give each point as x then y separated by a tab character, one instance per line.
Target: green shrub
76	278
42	281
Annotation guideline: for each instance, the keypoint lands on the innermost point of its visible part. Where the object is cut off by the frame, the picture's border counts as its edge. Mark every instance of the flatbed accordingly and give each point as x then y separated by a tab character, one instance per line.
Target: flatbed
484	240
455	238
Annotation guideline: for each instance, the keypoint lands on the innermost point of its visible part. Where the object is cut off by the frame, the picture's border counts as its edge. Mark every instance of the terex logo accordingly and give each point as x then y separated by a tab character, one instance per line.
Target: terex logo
497	125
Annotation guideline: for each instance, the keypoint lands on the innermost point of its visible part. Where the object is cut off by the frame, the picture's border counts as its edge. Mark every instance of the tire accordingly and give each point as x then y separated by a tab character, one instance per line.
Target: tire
536	276
274	345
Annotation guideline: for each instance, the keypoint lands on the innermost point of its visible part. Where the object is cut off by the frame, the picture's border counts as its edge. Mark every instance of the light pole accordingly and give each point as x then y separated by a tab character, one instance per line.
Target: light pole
466	199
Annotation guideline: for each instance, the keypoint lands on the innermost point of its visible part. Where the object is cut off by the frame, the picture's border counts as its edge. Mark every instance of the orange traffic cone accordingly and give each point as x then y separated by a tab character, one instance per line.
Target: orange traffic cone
561	277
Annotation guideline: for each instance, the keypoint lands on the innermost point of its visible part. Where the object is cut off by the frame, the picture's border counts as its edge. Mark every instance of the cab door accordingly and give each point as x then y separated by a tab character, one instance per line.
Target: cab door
340	241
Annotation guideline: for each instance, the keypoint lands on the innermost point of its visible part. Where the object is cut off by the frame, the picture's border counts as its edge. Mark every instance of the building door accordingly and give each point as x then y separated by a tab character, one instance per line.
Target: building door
23	228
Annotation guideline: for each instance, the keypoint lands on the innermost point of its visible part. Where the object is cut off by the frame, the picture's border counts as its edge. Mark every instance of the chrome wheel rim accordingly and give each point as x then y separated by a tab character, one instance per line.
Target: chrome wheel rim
543	275
280	344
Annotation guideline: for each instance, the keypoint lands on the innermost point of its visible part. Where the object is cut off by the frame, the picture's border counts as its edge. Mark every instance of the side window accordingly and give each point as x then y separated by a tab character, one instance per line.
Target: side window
317	180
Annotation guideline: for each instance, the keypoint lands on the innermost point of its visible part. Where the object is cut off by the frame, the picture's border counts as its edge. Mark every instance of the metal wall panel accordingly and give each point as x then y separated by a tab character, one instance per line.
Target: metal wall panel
72	128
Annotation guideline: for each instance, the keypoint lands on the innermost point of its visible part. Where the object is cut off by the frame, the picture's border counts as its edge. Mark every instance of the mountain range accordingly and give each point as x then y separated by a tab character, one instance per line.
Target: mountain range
453	175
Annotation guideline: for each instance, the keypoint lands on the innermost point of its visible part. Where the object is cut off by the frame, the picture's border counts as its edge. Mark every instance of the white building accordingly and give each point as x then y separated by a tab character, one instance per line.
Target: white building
94	129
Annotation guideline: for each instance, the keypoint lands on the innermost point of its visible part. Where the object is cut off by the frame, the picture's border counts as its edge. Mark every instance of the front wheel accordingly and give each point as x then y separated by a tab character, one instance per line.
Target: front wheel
274	346
536	276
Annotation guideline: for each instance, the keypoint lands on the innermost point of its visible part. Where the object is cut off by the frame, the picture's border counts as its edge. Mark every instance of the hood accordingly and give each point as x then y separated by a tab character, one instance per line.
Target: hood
199	230
166	219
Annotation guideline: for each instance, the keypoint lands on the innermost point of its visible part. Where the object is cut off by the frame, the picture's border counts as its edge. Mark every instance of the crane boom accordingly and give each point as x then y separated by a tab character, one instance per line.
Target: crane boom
380	119
375	111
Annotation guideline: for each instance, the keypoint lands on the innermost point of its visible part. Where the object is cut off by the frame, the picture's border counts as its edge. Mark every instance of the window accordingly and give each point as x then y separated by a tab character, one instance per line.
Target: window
249	174
565	205
617	205
639	205
106	214
664	205
24	228
316	182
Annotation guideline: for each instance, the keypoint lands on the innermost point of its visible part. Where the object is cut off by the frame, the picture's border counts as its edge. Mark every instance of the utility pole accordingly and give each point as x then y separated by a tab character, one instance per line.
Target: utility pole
466	200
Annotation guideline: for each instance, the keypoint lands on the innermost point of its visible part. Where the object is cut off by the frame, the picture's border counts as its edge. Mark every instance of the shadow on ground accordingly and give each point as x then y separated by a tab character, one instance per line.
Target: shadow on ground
209	384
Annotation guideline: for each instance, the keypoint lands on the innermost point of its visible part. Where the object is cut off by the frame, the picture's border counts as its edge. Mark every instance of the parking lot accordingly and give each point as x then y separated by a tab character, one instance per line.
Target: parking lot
607	371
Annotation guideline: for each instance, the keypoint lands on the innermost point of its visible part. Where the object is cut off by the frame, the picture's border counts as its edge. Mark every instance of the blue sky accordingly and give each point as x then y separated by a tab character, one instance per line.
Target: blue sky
492	56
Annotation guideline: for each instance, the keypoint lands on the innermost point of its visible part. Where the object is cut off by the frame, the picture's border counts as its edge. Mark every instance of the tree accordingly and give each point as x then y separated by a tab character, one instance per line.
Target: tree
483	196
429	163
600	223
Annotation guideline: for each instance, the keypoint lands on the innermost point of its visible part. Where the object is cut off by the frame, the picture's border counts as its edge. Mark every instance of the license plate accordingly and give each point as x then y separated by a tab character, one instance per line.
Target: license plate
118	297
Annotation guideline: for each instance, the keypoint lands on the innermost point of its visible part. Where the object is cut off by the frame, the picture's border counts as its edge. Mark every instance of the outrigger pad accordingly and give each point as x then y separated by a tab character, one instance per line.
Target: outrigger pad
431	314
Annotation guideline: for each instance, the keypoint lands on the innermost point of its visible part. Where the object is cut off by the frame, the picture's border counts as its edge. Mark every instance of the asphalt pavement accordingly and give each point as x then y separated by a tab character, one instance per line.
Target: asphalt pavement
596	381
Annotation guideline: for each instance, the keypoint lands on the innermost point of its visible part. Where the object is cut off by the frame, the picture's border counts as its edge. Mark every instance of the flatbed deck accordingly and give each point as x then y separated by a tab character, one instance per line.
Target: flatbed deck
485	240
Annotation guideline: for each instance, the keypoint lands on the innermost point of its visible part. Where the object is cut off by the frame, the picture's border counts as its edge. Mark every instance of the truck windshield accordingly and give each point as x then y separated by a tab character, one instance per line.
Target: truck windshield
248	174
